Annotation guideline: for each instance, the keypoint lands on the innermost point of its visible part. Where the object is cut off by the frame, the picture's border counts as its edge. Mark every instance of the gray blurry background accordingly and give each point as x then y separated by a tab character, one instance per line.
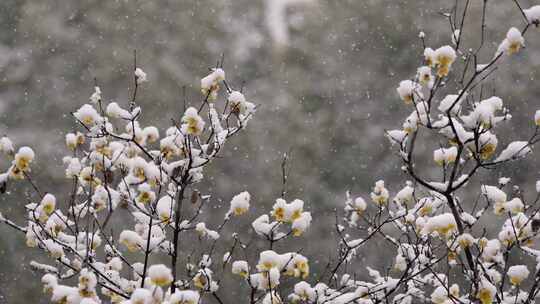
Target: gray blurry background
324	73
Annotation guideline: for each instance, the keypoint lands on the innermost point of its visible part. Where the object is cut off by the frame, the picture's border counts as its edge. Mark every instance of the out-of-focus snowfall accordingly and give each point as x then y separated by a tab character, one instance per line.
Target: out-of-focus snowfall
323	73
